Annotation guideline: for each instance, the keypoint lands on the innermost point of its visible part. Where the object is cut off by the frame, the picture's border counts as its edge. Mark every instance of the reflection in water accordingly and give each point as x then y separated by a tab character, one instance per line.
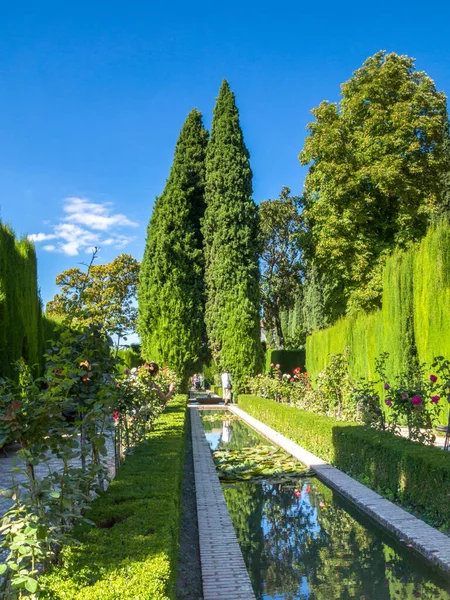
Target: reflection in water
231	434
309	544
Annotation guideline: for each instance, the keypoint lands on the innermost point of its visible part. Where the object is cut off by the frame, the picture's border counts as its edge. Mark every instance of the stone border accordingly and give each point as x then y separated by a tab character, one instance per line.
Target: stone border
430	543
224	574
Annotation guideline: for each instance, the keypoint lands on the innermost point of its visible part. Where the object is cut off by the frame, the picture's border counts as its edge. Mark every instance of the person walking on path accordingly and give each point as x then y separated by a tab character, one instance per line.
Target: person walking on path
226	386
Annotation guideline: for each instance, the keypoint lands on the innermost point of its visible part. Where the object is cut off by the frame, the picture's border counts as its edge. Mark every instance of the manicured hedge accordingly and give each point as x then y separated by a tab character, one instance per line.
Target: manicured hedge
415	475
217	389
132	552
21	326
287	359
414	317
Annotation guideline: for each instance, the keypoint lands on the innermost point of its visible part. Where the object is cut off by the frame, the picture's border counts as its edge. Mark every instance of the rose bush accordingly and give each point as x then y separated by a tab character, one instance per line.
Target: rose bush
412	399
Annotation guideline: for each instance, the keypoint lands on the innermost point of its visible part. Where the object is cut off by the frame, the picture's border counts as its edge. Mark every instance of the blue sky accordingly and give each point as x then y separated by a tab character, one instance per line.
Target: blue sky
93	96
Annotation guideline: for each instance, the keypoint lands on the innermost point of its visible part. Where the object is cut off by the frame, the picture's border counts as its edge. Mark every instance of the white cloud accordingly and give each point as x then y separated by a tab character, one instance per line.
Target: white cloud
95	216
41	237
84	227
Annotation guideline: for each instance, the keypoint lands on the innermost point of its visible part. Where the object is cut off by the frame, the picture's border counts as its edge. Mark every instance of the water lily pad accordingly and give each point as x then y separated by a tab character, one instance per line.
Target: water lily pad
223	416
258	463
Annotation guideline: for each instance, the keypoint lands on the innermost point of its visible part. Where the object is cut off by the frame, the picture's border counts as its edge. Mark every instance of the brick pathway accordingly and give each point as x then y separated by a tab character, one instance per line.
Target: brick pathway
433	545
224	574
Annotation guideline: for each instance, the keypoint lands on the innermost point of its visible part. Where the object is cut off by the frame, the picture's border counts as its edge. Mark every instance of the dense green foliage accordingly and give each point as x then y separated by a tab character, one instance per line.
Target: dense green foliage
431	294
171	287
375	179
21	327
412	322
230	230
413	474
314	317
132	550
280	223
130	357
293	322
287	359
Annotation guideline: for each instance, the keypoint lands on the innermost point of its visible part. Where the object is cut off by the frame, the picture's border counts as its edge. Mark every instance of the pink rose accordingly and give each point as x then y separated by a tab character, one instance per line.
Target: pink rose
404	396
416	400
387	386
435	399
433	378
272	364
388	402
277	366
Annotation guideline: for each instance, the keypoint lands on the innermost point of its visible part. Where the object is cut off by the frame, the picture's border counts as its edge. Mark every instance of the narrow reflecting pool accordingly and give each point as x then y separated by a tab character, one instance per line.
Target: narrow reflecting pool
302	541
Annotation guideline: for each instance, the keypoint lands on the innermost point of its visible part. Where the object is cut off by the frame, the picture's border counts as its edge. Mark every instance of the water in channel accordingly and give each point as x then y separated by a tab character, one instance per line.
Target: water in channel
312	545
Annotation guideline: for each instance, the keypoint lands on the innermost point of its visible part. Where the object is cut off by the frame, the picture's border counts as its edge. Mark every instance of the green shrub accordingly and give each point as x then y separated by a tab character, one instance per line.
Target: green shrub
132	551
416	476
287	359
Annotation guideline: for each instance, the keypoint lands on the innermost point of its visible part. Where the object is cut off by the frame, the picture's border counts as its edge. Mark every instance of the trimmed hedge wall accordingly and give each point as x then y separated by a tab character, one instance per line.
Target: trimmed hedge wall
287	359
132	553
413	321
21	326
416	476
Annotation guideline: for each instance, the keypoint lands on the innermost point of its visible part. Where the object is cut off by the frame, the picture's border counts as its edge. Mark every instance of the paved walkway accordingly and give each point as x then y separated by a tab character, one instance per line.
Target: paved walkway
439	441
224	574
433	545
41	470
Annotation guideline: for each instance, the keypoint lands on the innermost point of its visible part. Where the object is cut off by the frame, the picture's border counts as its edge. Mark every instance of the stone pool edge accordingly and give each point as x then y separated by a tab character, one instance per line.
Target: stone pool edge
224	574
430	543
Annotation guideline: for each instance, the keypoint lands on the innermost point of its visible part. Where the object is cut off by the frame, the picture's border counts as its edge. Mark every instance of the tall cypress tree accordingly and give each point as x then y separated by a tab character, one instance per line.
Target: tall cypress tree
230	230
171	287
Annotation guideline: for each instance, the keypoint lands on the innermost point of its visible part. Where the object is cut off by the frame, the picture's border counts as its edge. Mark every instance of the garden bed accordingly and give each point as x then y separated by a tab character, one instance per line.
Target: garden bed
131	552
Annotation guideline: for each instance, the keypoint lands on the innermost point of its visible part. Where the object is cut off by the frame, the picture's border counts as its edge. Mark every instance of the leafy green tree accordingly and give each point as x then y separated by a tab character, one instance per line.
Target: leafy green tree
446	172
293	322
104	296
230	230
313	301
171	288
280	225
375	177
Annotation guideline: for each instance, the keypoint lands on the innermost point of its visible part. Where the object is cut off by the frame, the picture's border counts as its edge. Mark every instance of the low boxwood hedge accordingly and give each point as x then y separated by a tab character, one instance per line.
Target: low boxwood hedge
132	551
410	473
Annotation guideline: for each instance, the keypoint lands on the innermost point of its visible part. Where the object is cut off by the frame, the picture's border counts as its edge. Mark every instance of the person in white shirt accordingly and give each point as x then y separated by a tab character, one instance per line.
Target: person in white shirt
226	386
